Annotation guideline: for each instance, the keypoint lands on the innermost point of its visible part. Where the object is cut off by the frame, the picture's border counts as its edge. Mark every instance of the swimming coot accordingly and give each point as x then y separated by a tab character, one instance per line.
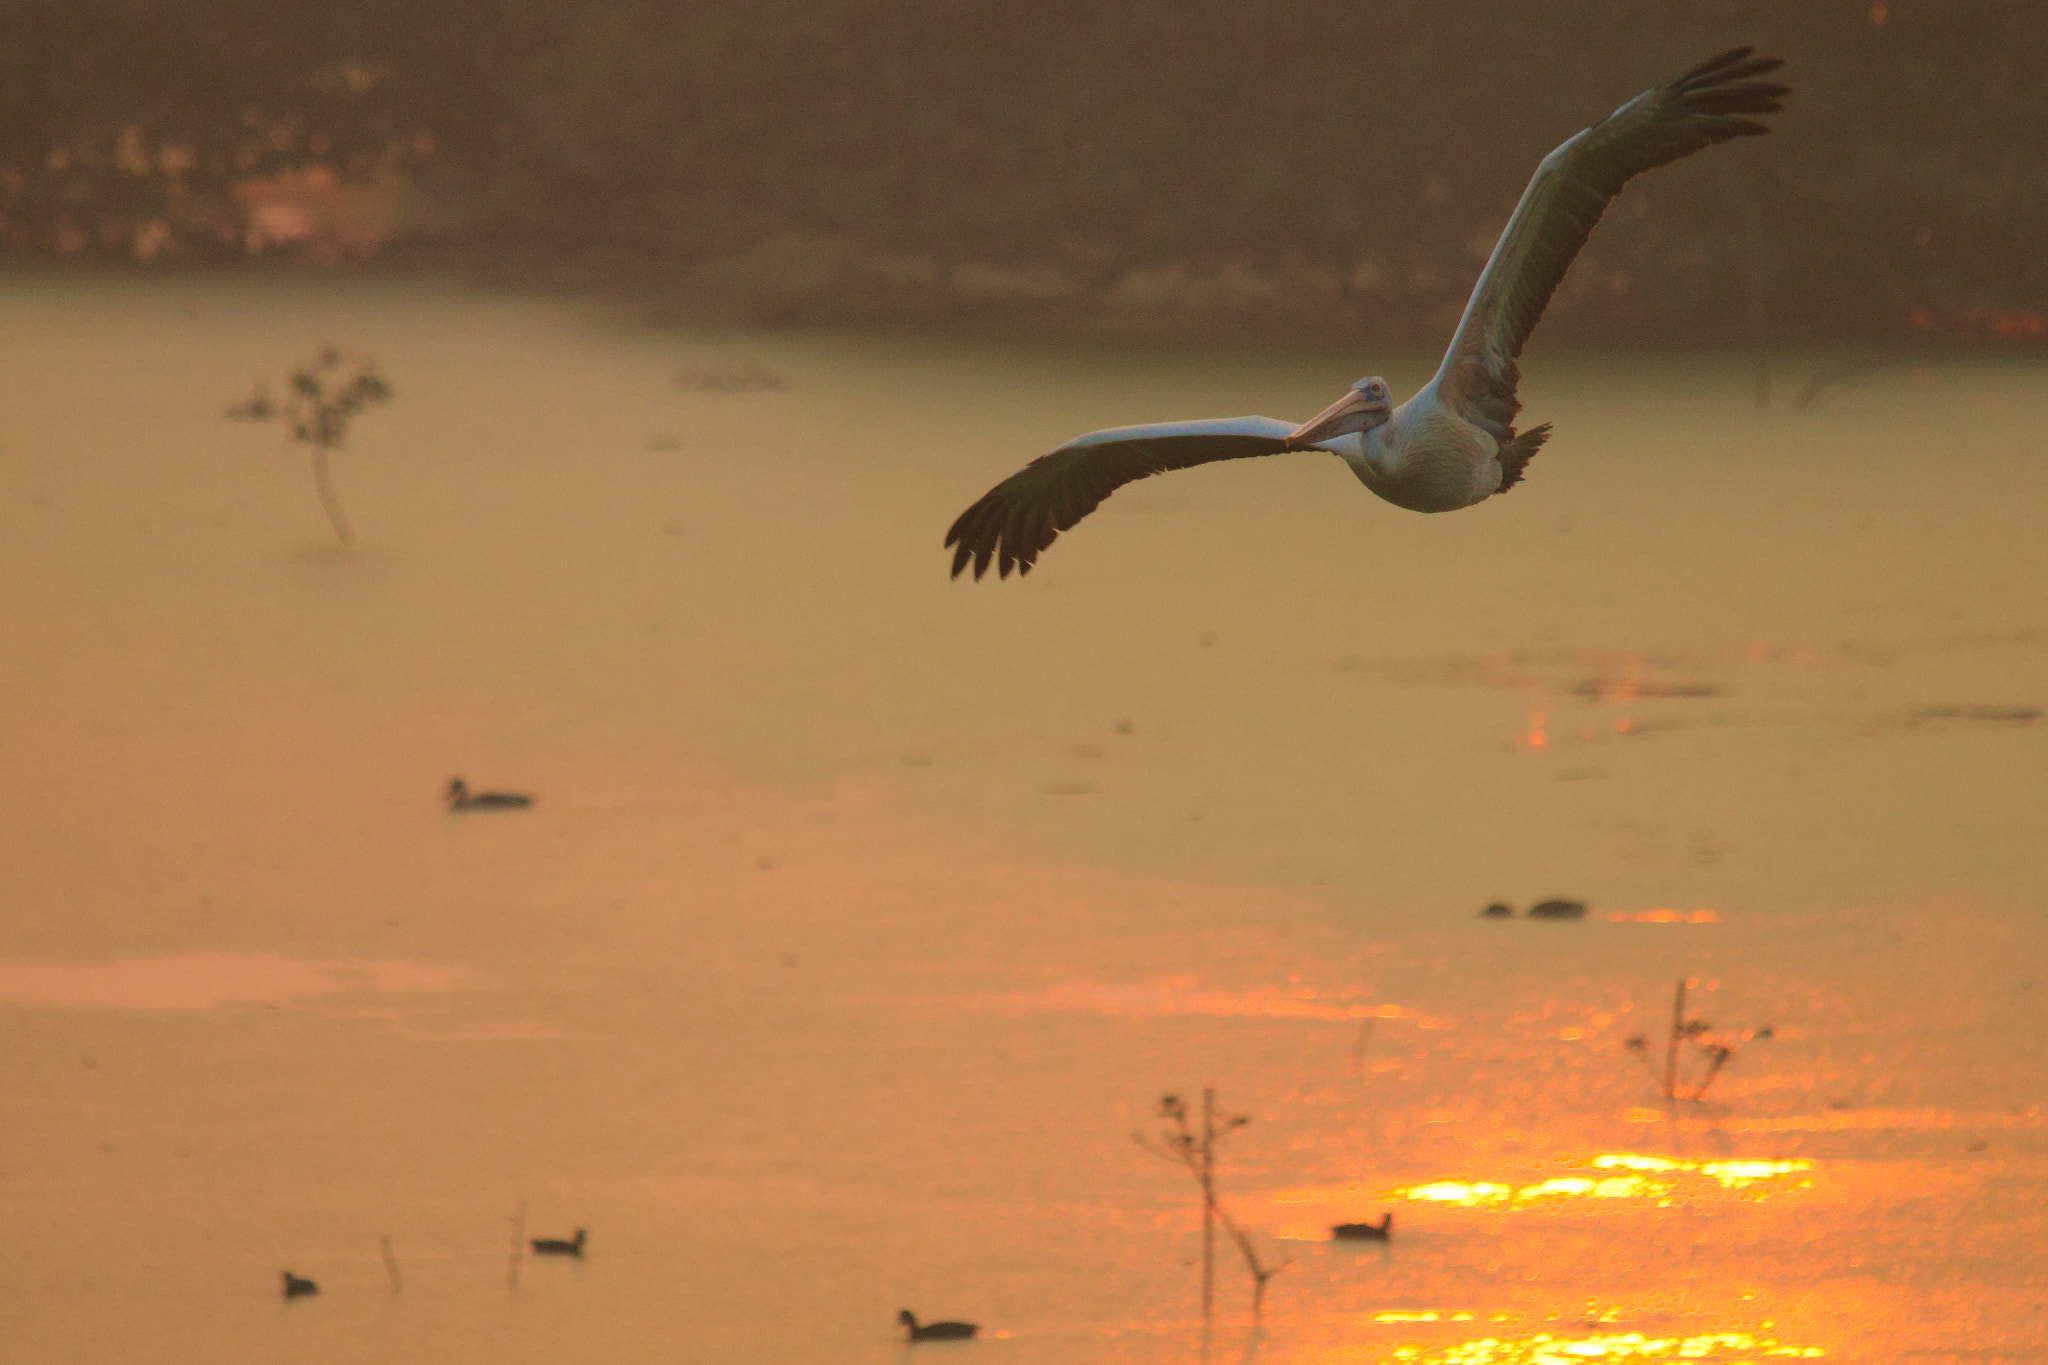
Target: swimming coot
460	797
936	1331
555	1246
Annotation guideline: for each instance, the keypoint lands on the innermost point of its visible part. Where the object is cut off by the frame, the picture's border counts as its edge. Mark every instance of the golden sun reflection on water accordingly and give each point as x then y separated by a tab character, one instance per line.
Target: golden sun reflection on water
1545	1349
1659	1180
1423	1315
1649	1177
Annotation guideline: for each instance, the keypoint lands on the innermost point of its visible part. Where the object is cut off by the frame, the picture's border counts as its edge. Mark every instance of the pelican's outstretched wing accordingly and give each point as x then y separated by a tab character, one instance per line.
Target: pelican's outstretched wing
1566	197
1023	514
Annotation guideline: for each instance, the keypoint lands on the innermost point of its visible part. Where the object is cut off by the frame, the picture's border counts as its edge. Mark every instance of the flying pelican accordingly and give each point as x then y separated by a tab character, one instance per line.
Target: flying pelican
1454	443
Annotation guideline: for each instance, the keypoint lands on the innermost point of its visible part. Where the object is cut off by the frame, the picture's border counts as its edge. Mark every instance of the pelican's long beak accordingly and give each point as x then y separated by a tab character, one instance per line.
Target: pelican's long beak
1353	412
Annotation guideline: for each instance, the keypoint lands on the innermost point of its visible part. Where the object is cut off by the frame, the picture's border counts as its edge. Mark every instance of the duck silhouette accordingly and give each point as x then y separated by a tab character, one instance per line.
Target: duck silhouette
296	1288
936	1331
1365	1232
555	1246
460	797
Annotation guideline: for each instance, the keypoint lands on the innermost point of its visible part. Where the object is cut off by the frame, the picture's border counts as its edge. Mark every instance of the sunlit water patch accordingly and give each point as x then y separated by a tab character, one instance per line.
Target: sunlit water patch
1664	916
1657	1181
1543	1348
1625	1176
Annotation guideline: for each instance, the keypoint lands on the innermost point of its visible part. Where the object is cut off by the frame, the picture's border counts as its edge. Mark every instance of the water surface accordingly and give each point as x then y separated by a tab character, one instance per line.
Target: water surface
864	916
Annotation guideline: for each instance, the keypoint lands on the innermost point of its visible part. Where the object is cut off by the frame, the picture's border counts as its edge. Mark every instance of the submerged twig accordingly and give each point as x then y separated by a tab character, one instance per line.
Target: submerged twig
518	1244
1358	1047
1760	356
1835	374
1260	1272
1181	1145
391	1264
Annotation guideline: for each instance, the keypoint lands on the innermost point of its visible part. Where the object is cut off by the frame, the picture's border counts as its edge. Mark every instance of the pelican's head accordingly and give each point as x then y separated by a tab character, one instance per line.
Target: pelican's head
1367	405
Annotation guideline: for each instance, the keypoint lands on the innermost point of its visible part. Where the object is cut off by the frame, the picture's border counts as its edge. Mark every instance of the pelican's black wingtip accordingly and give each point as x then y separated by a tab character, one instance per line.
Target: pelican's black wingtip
970	542
1733	65
1727	84
1725	87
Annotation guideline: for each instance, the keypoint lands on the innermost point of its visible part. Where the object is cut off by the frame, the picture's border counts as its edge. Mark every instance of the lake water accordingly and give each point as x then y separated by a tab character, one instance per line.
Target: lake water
865	916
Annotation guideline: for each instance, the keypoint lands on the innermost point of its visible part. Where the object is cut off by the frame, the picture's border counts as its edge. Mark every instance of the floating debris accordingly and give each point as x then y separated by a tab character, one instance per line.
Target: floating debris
1498	910
1558	909
1949	717
256	408
1608	689
2009	715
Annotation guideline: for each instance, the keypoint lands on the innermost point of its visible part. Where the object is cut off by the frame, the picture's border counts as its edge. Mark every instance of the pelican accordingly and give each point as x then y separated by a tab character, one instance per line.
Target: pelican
1453	443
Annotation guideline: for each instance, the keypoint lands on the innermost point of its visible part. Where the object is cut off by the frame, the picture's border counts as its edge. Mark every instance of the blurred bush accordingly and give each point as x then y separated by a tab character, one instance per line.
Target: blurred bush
1354	159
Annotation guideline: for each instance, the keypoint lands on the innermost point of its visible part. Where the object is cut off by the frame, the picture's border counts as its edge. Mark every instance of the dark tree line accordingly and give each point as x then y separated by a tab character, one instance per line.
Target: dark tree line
1374	145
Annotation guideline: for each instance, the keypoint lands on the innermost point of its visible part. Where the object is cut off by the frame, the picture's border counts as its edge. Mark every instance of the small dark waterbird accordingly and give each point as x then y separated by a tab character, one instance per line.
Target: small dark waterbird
1454	443
1365	1232
296	1288
556	1246
460	797
936	1331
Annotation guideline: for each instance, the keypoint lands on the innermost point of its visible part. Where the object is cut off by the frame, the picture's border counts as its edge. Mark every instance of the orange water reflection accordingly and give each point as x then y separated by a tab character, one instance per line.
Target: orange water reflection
1663	916
1647	1177
1661	1181
1546	1349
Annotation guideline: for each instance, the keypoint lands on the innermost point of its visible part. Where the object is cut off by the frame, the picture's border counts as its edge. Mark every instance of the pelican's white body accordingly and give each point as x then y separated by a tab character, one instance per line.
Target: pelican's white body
1424	457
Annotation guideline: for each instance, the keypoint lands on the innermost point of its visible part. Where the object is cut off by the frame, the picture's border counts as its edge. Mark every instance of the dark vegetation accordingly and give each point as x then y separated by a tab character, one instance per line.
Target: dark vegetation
321	401
1711	1052
1347	162
1180	1142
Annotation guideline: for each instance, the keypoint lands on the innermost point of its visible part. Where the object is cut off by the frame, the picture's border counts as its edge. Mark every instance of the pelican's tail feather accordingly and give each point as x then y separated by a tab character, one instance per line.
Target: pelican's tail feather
1516	454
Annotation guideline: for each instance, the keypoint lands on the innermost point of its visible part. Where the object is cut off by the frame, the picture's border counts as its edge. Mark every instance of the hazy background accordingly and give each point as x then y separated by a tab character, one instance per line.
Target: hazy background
1312	164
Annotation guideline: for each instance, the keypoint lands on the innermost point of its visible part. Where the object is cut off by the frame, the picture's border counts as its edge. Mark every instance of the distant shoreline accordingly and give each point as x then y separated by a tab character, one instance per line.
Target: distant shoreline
797	278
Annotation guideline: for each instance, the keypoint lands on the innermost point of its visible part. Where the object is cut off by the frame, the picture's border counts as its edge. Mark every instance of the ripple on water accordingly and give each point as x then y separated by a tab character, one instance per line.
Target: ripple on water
189	983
